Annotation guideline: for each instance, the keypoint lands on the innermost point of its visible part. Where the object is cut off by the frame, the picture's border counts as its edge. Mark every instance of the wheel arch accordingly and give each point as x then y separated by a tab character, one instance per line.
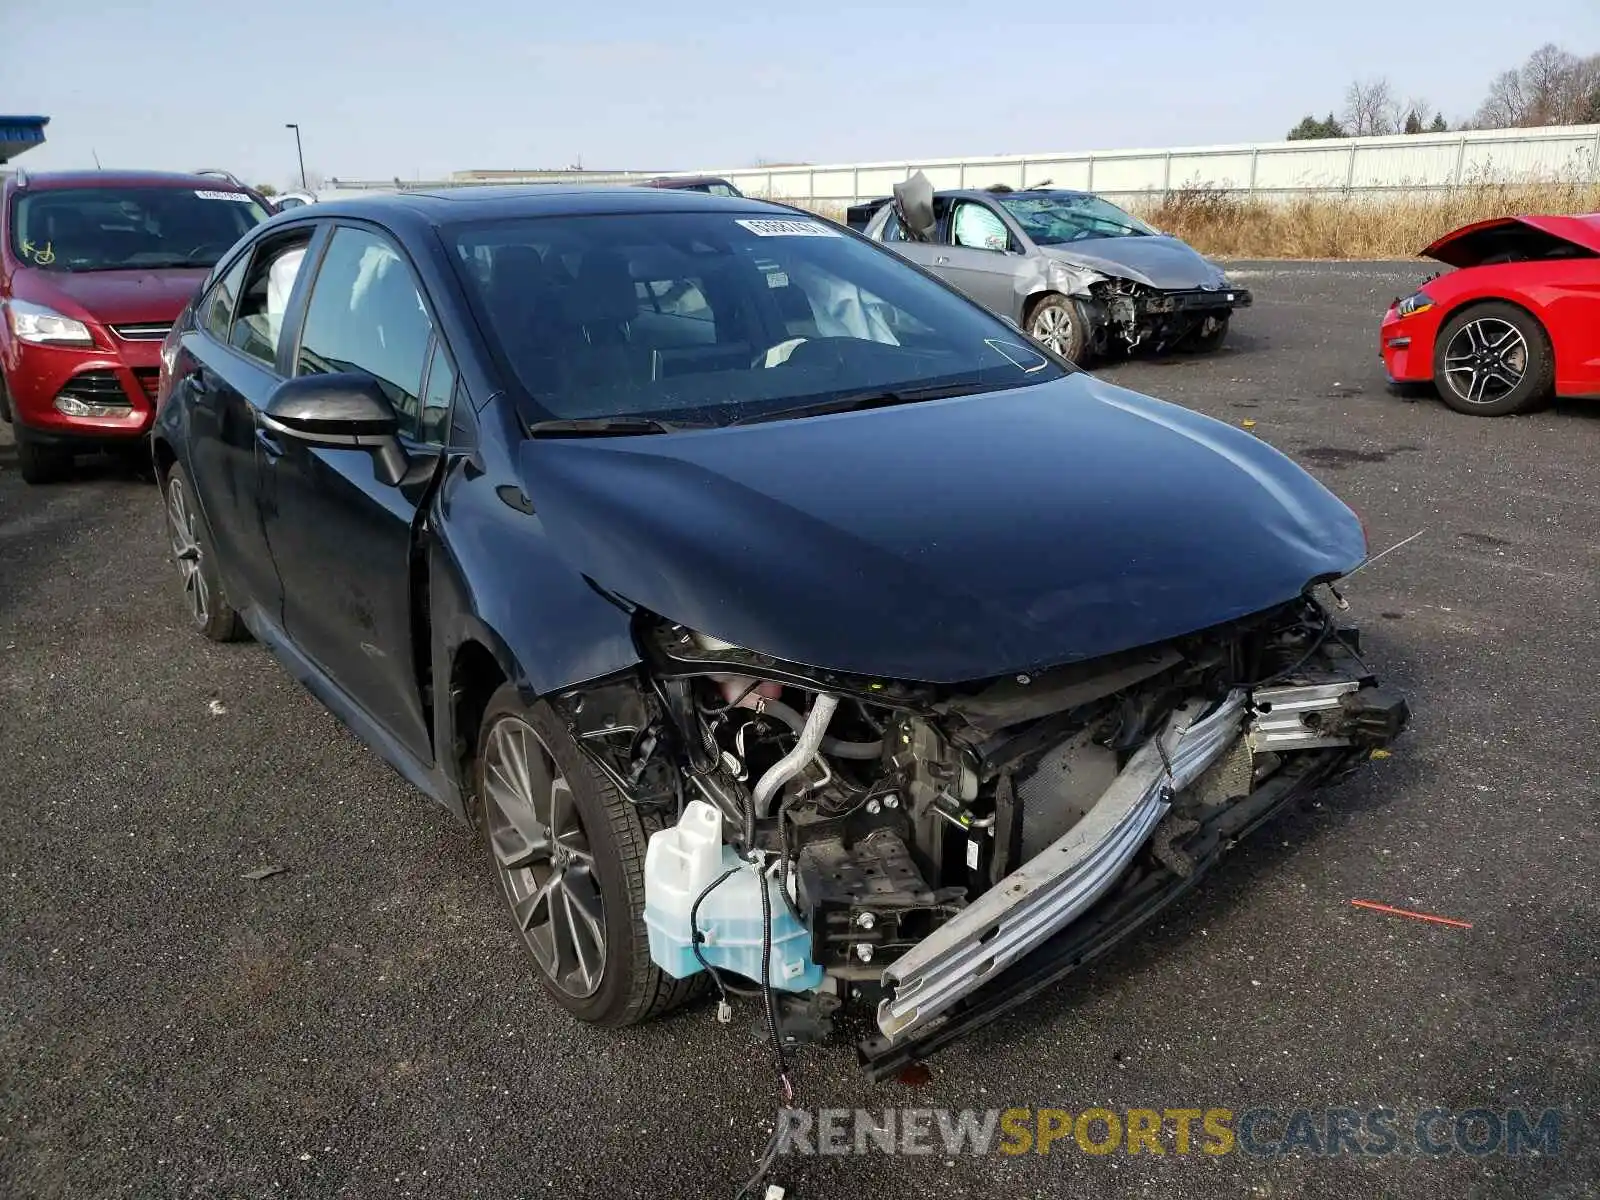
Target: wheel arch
1035	298
1457	307
476	674
162	455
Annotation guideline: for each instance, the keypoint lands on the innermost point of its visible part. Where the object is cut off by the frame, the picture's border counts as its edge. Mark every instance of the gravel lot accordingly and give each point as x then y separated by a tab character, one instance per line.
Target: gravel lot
362	1024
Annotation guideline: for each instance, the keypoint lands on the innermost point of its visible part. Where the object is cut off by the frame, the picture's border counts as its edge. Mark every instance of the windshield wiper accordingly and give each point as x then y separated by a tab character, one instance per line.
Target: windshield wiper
607	427
873	398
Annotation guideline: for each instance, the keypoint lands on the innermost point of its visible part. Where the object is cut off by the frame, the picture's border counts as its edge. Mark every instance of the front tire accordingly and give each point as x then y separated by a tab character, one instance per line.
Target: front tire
1203	342
202	586
40	464
568	853
1058	322
1493	360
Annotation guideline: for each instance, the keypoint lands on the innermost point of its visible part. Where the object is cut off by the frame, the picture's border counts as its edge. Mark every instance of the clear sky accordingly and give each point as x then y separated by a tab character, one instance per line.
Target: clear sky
423	87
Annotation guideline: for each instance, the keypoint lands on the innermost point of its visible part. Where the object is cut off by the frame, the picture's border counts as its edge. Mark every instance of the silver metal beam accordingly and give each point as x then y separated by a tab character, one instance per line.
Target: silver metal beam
1062	881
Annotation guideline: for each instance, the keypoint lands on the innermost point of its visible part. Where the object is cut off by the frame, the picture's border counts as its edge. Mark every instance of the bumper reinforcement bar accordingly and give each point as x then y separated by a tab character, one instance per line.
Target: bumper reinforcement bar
1062	881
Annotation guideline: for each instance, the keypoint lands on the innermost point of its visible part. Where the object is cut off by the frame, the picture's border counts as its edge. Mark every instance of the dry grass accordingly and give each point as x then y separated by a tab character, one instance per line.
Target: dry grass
1349	225
1332	225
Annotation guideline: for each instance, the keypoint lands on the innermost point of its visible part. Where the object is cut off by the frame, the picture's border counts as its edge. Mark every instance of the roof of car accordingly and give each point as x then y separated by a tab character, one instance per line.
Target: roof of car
477	203
1038	191
71	179
879	202
684	181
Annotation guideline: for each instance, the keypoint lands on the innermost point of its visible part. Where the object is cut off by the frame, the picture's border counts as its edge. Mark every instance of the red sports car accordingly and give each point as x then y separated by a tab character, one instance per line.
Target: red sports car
1516	322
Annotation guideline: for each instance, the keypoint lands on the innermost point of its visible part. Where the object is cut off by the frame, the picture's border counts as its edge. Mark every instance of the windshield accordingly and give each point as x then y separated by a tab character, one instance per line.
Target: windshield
129	228
715	317
1051	218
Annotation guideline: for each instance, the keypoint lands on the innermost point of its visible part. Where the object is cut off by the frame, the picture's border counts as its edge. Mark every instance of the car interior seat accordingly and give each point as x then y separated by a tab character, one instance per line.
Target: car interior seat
595	314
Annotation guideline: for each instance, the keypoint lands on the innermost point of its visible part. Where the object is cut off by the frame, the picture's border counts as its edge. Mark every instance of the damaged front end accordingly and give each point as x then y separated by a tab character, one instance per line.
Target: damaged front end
1126	315
942	852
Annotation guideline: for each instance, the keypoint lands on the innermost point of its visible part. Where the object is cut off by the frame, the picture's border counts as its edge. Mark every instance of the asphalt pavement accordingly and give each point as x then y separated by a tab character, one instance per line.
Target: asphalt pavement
362	1023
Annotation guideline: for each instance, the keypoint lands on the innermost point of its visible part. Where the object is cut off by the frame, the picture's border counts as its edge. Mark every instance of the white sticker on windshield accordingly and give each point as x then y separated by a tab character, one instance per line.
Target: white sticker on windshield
239	196
786	227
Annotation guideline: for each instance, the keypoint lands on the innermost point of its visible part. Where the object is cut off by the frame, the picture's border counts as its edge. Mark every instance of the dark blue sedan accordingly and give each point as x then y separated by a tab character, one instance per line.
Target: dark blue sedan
786	623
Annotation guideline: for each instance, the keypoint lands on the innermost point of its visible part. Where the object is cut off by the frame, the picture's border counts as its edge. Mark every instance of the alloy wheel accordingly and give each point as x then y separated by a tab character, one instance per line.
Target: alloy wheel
546	864
1053	327
186	549
1485	360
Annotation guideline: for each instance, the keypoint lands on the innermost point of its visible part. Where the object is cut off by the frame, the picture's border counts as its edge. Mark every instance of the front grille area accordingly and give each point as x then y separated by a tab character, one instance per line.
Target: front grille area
98	387
149	379
149	331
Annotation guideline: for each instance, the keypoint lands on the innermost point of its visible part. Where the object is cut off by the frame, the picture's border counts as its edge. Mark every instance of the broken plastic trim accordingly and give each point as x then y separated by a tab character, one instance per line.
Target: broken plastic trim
1062	881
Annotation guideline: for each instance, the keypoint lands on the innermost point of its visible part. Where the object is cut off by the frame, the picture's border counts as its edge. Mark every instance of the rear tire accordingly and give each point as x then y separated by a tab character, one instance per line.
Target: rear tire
1493	360
207	603
1058	322
568	852
40	464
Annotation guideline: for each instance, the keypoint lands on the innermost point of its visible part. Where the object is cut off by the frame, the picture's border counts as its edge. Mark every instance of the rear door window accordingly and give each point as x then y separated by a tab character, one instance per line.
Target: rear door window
264	301
217	308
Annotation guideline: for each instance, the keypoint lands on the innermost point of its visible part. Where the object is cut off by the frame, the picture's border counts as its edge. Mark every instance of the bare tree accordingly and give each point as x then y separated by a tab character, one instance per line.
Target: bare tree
1370	107
1547	81
1552	87
1583	92
1506	105
1419	107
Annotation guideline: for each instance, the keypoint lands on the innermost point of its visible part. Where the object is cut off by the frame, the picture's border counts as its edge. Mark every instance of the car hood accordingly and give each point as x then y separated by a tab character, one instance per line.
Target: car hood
1159	262
950	540
113	297
1471	244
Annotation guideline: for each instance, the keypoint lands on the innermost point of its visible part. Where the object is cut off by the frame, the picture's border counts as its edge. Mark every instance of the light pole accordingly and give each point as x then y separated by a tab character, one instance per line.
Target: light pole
300	152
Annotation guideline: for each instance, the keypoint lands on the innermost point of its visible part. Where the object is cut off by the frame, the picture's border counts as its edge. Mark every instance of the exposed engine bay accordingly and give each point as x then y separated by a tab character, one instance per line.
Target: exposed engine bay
1126	316
902	844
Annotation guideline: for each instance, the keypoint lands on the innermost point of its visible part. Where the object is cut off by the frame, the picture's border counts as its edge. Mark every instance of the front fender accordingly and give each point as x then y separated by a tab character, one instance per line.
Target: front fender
496	580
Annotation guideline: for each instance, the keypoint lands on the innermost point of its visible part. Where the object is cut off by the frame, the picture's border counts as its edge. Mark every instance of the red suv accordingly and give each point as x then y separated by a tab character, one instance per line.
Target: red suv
95	266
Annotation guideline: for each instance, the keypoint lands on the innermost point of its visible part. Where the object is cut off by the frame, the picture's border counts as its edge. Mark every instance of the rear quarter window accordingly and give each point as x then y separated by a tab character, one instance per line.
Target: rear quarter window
216	308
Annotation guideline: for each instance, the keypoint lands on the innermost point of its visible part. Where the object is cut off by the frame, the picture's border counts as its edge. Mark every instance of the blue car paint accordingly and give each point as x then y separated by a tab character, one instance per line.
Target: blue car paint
510	589
950	540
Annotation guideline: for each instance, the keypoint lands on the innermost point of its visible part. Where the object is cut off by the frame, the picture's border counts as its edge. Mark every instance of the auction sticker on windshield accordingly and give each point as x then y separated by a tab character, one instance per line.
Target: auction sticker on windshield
781	227
239	196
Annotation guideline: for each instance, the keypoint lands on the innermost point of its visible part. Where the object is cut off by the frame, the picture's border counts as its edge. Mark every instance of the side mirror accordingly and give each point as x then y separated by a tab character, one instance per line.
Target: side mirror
342	411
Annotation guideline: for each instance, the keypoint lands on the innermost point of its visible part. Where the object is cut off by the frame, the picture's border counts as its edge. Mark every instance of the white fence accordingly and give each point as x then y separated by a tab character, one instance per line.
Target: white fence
1398	163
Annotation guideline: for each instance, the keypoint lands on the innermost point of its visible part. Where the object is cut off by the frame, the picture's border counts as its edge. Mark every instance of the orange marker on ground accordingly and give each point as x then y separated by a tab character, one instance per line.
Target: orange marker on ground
1406	912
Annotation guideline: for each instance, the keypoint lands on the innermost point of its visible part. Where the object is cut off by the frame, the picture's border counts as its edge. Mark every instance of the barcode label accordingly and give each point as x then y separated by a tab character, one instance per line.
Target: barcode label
786	227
